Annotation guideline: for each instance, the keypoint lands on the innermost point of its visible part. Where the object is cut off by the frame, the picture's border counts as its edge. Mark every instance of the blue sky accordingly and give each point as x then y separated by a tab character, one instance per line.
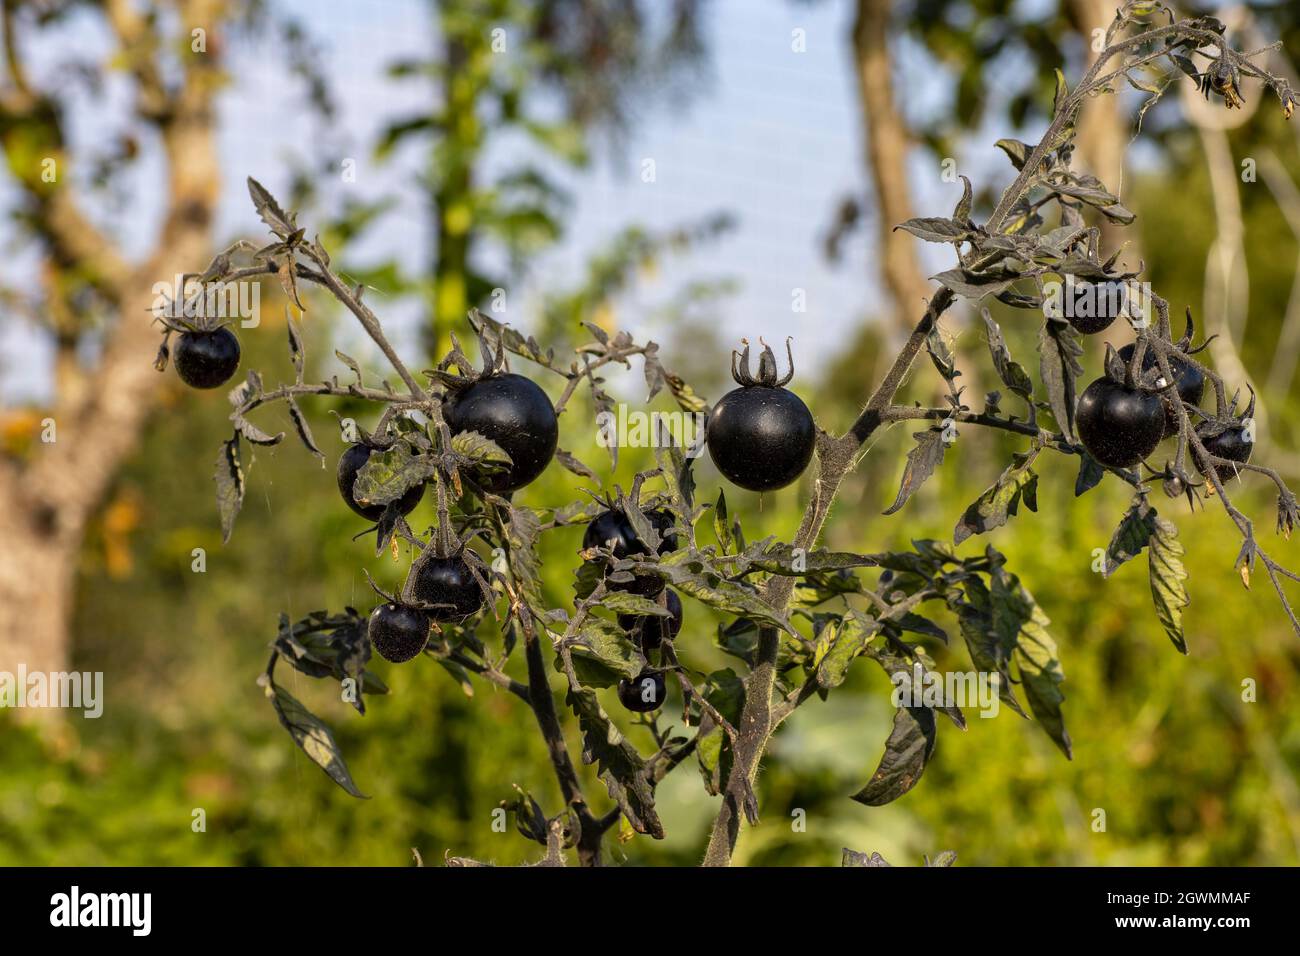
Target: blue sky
770	135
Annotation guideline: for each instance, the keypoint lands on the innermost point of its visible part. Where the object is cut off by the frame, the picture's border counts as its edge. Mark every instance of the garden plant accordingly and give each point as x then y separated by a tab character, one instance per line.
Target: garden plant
472	435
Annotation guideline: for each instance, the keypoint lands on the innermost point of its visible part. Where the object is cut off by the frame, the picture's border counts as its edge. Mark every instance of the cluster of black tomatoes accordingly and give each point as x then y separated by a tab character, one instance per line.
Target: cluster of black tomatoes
760	436
1121	422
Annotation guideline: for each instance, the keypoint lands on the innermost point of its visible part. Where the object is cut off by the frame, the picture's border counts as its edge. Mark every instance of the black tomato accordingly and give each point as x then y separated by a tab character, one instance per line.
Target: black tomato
1190	381
448	582
1091	307
643	693
206	359
1230	443
1119	426
350	463
613	530
397	632
651	631
515	413
761	436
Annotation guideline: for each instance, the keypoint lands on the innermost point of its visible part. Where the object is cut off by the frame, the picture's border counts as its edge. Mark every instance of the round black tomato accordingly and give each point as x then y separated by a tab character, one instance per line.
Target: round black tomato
515	413
397	632
1231	444
448	582
651	631
643	693
1119	426
1091	307
350	463
206	359
1190	381
761	438
612	530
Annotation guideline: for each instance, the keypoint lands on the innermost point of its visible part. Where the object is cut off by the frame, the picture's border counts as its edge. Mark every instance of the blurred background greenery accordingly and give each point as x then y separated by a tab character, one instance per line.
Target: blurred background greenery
478	160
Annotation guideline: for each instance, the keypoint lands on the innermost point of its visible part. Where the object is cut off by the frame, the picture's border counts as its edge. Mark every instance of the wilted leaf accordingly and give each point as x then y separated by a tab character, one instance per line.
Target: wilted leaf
311	734
620	766
922	460
1041	675
1000	502
937	230
1167	576
304	430
1059	351
1010	371
391	473
479	449
908	749
229	477
1134	531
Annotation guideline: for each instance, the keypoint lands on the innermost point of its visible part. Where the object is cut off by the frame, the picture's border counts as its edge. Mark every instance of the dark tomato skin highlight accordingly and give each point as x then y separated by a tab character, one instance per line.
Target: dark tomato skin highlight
1119	426
652	631
1107	302
633	694
614	526
1230	444
761	438
447	581
206	359
514	412
350	463
1190	381
397	632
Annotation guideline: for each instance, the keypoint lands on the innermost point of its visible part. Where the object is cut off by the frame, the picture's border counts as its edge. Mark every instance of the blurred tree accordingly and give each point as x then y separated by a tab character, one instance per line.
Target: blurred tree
88	296
551	70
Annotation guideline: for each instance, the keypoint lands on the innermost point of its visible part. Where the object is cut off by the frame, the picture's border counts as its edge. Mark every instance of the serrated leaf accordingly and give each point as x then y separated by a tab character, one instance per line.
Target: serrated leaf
1132	535
1017	151
603	654
907	751
389	474
304	430
296	353
922	460
854	858
720	528
933	229
1041	675
1059	349
1090	474
229	478
617	761
1010	371
847	640
255	434
1000	502
350	362
975	285
962	210
573	465
276	219
780	559
625	602
1167	576
480	449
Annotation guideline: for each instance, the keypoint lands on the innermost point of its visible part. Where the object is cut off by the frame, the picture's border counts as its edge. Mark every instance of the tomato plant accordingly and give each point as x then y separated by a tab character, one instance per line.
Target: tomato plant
800	615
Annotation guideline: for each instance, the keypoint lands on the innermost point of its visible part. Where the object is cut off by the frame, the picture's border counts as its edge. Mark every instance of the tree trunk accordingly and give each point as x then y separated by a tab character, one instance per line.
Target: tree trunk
887	143
1104	130
51	498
